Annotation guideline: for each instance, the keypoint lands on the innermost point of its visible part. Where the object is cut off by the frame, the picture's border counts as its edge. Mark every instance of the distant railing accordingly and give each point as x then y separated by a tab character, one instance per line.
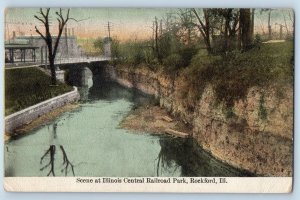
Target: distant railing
60	60
80	59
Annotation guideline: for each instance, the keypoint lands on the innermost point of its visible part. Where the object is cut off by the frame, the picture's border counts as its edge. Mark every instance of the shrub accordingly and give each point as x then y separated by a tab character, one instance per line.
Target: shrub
187	54
257	41
133	53
173	62
232	75
262	109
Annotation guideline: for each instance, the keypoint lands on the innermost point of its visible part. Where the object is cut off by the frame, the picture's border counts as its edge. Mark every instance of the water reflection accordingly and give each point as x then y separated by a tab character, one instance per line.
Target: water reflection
88	140
86	82
112	91
51	152
186	155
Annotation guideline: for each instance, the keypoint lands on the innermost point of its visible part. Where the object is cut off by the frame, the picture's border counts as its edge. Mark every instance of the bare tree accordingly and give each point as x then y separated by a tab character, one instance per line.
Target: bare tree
204	27
52	49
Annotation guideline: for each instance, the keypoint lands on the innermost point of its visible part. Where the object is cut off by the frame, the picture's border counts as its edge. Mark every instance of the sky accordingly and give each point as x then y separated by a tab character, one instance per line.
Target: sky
126	23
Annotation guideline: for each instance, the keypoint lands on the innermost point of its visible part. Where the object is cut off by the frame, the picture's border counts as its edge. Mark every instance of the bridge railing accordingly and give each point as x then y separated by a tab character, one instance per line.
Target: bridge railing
60	60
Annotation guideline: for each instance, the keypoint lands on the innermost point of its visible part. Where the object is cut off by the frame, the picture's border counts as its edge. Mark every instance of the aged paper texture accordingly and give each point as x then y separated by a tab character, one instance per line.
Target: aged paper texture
149	100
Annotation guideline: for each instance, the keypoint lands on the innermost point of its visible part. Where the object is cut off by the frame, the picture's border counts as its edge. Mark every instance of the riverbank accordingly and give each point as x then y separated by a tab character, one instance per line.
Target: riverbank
90	135
254	134
23	130
155	120
27	115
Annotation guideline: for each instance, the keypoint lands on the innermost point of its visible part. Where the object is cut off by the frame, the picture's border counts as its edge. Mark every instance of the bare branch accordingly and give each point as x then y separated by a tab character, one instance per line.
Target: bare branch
42	13
59	23
59	14
39	19
198	18
38	31
201	27
48	10
204	28
51	152
62	22
79	20
61	27
68	13
66	162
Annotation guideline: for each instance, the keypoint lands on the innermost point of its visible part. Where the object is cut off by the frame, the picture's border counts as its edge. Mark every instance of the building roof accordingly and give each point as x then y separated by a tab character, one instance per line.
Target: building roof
25	41
27	37
20	46
17	41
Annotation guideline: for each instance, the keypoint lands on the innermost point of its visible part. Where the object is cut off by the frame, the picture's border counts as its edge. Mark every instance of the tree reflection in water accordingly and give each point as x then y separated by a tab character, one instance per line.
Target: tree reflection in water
186	155
52	151
165	165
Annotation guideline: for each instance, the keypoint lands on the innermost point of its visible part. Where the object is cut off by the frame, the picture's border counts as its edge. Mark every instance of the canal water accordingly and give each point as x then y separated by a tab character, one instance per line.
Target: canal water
87	141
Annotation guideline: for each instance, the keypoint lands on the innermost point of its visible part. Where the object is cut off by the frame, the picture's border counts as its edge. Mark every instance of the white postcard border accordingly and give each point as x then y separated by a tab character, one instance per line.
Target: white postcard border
133	184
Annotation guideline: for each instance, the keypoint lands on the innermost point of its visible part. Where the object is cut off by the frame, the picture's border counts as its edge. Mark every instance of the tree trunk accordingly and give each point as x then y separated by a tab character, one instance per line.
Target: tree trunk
239	38
226	34
52	69
245	28
207	42
156	41
269	26
204	28
252	23
207	30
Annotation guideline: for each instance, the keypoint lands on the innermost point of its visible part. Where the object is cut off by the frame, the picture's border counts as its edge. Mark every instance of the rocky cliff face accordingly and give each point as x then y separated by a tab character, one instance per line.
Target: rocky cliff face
255	134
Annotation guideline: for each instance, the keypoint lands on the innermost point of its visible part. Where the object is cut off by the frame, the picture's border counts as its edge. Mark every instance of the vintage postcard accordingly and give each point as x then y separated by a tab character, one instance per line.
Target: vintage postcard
149	100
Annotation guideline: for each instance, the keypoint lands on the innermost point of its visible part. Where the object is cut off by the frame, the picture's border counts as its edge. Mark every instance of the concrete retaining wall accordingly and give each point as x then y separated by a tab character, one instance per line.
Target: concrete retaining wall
31	113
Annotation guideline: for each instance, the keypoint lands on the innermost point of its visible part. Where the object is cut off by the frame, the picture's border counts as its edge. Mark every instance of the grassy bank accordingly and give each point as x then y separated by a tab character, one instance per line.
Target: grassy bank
232	75
28	86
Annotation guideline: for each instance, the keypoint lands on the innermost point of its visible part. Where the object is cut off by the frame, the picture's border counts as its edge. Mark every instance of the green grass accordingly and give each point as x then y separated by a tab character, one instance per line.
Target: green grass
28	86
232	75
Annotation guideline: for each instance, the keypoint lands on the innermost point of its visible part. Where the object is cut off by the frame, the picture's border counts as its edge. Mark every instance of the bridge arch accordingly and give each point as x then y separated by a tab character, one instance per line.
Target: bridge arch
76	73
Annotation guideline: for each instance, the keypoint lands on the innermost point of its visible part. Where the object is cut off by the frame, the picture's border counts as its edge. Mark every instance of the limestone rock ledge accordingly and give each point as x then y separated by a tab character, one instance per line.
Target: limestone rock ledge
255	135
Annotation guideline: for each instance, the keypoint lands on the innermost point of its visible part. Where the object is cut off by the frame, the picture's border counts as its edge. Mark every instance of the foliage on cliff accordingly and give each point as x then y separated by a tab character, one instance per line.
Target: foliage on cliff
233	74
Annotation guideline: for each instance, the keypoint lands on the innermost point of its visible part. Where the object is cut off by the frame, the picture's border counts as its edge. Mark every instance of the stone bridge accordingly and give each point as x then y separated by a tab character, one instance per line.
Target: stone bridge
76	72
